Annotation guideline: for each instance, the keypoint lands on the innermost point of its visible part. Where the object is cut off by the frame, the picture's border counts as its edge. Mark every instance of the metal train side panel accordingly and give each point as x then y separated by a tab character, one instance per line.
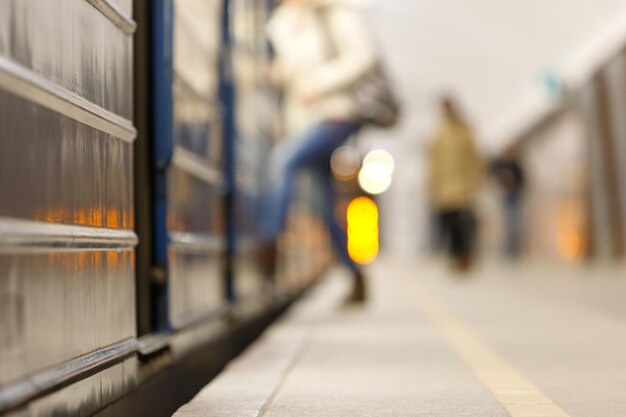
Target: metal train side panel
67	306
73	45
189	221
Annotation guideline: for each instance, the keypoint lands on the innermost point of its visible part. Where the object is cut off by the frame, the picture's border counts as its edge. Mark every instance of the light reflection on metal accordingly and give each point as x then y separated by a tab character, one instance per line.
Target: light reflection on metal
196	166
19	236
98	68
37	385
197	242
67	284
25	84
116	15
111	217
362	218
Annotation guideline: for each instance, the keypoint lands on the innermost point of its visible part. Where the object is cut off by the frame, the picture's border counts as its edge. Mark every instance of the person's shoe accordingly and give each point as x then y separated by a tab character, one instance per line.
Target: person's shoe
268	259
359	292
463	263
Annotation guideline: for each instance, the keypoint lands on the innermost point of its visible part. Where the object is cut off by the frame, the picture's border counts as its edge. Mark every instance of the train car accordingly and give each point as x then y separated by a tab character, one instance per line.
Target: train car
131	164
67	281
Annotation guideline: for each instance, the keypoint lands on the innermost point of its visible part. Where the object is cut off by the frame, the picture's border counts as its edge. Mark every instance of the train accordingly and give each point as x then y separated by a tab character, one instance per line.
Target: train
134	137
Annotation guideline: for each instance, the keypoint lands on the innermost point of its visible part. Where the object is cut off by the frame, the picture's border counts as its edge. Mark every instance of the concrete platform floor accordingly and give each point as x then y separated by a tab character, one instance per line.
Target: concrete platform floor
527	340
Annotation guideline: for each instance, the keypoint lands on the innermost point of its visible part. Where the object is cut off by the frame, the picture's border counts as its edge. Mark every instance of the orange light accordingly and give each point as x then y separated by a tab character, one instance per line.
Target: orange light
570	239
362	216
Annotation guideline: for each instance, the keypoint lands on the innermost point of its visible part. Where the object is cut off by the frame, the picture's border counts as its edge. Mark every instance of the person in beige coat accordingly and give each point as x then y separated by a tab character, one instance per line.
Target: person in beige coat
322	49
456	173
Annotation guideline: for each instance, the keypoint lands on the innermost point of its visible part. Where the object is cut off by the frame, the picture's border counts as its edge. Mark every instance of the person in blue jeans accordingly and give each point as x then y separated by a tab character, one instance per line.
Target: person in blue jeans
322	48
313	151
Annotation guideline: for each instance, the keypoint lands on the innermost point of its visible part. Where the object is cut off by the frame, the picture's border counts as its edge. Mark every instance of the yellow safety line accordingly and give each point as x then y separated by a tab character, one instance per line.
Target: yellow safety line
513	390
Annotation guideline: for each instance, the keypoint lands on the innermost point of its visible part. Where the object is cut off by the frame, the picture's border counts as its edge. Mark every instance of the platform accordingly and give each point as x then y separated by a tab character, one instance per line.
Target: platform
532	340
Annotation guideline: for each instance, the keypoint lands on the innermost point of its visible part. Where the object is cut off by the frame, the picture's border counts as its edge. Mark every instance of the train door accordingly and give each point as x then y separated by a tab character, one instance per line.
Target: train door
182	182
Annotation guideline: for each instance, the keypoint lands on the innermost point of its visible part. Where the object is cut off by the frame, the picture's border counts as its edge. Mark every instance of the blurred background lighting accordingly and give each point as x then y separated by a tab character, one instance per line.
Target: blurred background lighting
362	219
345	163
570	239
381	156
375	177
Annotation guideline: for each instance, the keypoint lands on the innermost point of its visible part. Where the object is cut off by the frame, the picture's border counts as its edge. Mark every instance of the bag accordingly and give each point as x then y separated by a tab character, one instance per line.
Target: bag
375	99
373	96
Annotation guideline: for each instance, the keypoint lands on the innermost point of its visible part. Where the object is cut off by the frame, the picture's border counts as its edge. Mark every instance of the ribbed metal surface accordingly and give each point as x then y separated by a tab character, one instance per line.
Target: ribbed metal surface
54	169
72	44
196	285
23	83
82	399
38	385
66	238
118	12
59	306
19	236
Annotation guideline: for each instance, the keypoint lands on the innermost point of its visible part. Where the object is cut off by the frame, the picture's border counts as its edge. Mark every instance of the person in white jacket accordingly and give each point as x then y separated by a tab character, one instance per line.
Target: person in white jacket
322	48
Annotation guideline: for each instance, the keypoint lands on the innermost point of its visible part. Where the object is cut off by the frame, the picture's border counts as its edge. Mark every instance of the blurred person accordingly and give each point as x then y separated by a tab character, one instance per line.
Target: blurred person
456	172
509	174
322	49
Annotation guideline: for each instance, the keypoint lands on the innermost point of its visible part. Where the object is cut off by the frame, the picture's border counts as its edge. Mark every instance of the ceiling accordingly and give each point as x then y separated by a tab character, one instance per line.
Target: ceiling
494	55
